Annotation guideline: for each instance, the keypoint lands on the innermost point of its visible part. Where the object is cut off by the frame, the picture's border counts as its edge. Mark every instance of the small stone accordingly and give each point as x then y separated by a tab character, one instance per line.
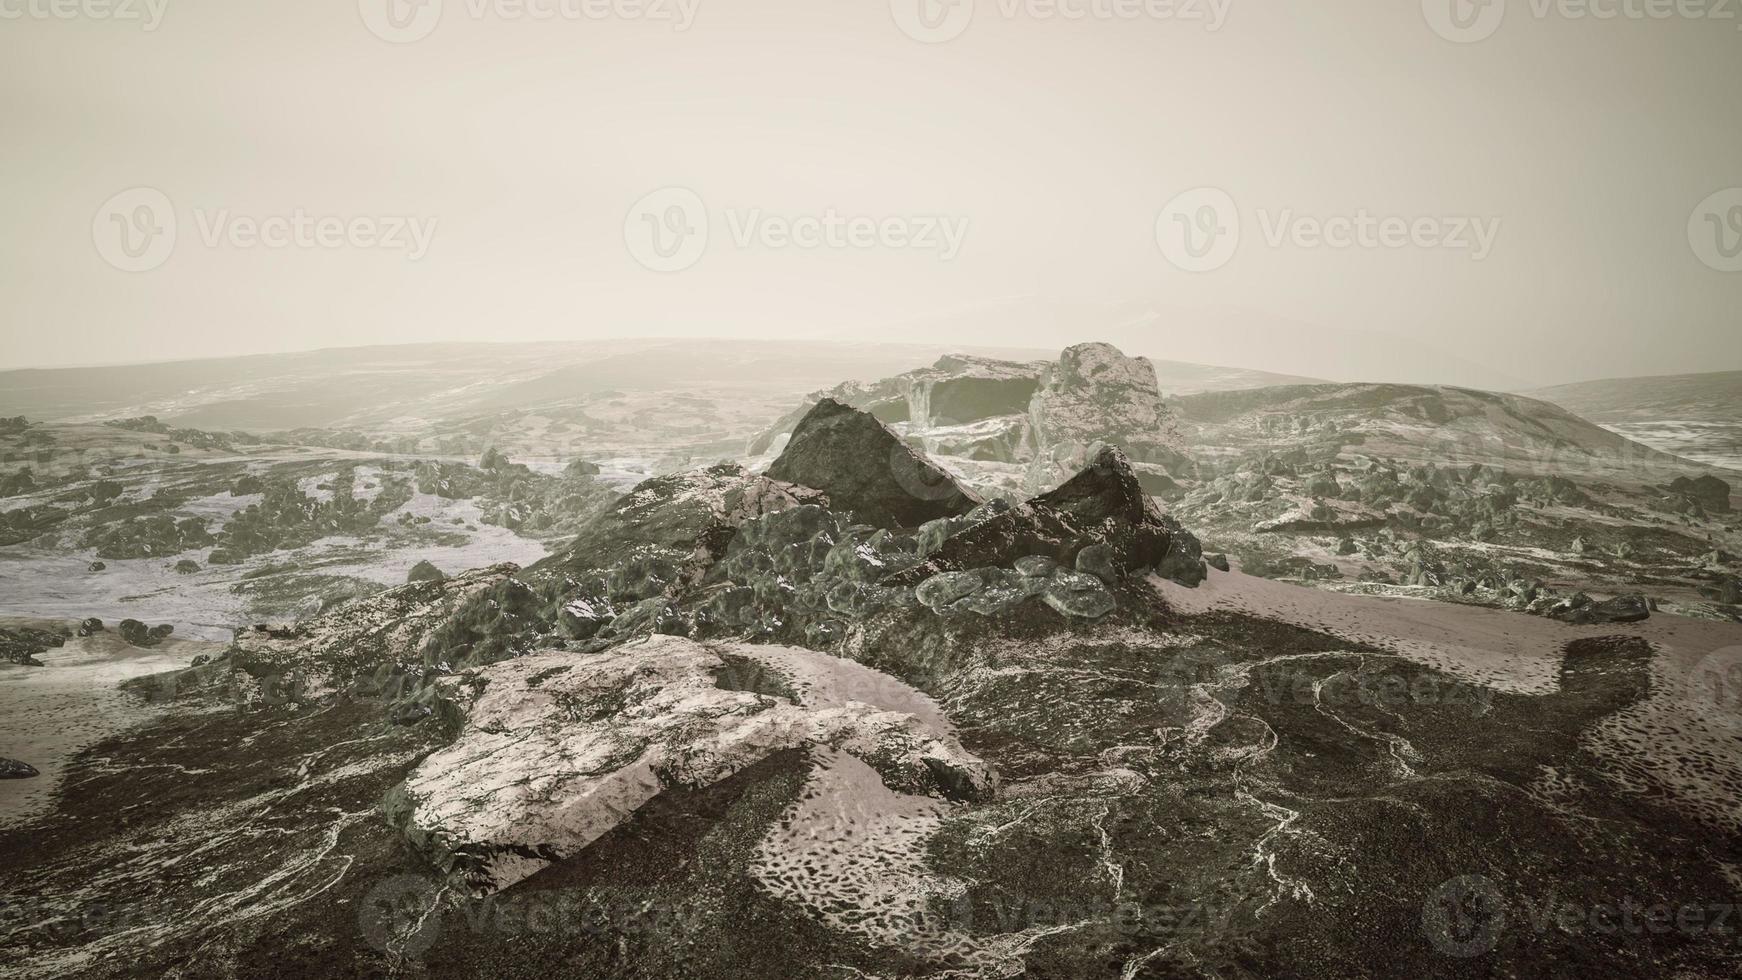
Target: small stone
13	769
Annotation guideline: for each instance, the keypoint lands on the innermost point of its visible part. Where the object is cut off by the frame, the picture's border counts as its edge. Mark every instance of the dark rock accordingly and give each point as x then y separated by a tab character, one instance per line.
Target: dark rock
423	571
135	633
91	627
1708	491
13	769
21	645
1104	505
186	567
1581	610
96	566
864	468
1217	562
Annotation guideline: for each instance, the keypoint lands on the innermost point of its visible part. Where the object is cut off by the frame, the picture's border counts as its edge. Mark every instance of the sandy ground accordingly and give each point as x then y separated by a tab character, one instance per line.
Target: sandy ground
50	713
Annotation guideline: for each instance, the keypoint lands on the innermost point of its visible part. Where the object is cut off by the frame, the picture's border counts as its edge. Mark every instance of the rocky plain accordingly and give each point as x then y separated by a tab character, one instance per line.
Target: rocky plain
895	663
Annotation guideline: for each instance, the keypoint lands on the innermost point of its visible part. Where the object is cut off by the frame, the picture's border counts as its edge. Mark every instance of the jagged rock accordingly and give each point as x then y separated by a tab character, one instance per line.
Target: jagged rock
866	469
13	769
559	748
423	571
1103	505
1217	562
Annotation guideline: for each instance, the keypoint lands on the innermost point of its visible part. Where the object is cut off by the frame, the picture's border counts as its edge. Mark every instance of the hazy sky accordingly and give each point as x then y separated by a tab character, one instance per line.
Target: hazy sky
1530	207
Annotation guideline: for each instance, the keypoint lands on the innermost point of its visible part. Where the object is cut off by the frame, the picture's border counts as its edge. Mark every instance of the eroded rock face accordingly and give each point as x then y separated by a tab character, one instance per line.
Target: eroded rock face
865	468
559	748
1096	396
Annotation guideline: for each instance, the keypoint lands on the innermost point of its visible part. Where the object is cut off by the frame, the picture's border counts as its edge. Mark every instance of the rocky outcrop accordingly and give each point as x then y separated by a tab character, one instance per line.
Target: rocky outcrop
559	748
1096	396
20	645
1102	512
378	645
958	390
866	469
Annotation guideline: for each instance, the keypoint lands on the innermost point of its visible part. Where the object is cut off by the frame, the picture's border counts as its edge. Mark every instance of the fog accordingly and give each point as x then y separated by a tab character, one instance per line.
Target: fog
1539	198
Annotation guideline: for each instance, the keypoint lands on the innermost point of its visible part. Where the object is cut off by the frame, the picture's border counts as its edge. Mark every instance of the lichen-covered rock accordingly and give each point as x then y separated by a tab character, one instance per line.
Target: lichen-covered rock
559	748
866	469
1079	595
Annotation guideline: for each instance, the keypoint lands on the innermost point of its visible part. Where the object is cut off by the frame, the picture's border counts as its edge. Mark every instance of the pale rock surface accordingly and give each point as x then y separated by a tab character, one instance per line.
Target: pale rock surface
559	748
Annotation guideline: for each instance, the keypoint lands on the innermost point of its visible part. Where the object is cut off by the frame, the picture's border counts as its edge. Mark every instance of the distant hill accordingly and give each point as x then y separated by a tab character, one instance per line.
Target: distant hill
1714	397
395	387
1694	415
1417	423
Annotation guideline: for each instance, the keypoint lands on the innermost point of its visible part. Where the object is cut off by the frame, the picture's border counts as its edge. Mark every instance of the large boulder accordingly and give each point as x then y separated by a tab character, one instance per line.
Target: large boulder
559	748
866	469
